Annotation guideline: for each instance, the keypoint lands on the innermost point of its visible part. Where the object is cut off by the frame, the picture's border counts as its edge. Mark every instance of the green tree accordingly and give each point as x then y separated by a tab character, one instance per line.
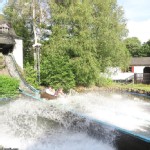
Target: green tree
88	35
145	49
109	30
19	21
133	44
28	19
72	36
56	71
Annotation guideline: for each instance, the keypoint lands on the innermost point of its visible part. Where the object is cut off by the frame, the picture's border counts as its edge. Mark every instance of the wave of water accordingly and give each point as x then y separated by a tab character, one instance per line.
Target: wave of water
122	110
33	125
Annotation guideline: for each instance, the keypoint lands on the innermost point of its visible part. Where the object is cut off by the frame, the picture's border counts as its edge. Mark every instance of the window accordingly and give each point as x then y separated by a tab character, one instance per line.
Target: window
130	69
4	28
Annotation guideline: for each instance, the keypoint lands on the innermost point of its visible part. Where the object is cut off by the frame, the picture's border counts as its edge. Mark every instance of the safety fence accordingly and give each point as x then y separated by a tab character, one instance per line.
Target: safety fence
142	78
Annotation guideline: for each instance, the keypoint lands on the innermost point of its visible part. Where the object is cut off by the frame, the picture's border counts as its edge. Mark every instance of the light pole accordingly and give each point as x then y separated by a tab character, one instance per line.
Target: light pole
37	47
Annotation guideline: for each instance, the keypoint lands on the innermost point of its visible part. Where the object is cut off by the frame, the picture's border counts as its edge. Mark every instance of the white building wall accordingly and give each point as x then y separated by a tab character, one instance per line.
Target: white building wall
139	69
18	52
116	74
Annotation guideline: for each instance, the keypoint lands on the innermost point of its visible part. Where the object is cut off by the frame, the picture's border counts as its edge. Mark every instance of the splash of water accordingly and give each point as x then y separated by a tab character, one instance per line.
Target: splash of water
124	111
32	125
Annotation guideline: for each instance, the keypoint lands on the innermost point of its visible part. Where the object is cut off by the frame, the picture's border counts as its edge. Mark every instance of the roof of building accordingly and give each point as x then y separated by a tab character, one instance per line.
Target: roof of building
140	61
4	26
4	23
7	34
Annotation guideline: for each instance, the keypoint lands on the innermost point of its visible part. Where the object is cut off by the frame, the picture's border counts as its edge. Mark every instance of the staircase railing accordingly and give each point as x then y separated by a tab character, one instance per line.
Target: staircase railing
20	75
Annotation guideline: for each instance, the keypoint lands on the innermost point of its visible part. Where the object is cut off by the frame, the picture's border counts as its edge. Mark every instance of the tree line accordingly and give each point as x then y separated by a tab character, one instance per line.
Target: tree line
136	48
80	39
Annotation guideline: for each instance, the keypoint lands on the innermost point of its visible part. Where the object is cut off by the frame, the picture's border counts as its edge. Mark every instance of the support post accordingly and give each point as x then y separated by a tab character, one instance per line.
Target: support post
37	47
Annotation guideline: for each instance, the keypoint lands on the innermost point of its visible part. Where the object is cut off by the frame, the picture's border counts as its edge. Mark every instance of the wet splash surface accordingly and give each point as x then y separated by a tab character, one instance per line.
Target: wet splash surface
121	110
41	125
33	125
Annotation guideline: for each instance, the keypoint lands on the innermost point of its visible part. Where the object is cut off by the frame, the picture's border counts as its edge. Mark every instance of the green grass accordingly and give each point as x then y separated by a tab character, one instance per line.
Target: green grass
8	86
144	87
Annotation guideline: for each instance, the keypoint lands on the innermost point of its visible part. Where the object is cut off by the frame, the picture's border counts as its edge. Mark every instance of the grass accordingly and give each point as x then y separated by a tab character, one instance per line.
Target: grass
145	87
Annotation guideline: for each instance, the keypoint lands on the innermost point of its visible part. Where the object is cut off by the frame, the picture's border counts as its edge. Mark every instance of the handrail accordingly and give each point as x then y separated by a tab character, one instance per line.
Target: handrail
20	76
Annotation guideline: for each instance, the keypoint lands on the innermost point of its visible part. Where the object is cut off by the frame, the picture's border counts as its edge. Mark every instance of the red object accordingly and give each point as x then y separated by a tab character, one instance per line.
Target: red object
133	69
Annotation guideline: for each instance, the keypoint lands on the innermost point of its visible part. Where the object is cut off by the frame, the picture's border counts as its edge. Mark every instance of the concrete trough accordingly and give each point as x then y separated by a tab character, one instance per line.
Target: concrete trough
121	139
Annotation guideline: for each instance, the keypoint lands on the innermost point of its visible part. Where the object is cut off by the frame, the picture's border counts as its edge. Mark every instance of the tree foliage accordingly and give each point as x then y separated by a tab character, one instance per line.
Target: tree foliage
90	33
30	75
137	49
145	49
56	71
133	44
109	30
20	14
86	38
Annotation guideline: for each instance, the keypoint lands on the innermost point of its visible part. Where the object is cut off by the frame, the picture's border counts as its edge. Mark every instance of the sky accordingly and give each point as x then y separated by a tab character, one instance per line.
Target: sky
137	13
2	3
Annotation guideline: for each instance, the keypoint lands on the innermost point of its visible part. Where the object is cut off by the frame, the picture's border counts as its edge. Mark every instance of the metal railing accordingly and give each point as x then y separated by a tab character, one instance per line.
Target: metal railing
142	78
20	76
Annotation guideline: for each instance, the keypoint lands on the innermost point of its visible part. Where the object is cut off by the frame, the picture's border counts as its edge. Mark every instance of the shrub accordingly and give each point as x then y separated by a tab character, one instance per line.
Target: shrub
103	81
56	72
86	70
30	75
8	86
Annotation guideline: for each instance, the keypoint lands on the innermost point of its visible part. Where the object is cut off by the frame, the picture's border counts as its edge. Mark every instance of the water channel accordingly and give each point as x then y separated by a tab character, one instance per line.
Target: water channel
29	124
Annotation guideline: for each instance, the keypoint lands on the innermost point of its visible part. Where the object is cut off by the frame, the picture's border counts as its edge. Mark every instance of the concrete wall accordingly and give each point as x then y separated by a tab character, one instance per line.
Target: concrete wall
116	74
139	69
18	52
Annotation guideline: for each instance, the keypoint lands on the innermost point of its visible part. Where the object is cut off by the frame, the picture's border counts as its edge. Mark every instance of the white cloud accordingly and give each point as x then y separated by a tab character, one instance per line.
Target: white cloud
139	29
137	13
136	9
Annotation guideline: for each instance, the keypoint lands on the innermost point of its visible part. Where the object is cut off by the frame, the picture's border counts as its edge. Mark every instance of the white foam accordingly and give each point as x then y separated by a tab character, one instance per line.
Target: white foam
130	113
22	126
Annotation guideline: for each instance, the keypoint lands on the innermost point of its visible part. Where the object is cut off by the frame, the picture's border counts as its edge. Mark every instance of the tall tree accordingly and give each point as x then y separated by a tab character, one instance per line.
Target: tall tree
110	28
145	49
27	18
133	44
15	16
90	33
72	36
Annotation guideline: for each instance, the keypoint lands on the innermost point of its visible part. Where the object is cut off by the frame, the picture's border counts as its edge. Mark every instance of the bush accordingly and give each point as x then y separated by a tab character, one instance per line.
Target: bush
30	75
56	72
103	81
86	70
8	86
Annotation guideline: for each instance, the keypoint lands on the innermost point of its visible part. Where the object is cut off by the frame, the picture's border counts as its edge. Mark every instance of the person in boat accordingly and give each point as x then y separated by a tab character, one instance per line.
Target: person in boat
50	91
60	93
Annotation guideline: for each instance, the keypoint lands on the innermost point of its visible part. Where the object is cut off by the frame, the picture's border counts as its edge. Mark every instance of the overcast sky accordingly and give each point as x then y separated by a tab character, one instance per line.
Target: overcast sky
137	13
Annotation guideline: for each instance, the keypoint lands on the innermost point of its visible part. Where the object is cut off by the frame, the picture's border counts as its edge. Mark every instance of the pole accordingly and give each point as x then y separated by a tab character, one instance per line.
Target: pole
37	49
38	64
